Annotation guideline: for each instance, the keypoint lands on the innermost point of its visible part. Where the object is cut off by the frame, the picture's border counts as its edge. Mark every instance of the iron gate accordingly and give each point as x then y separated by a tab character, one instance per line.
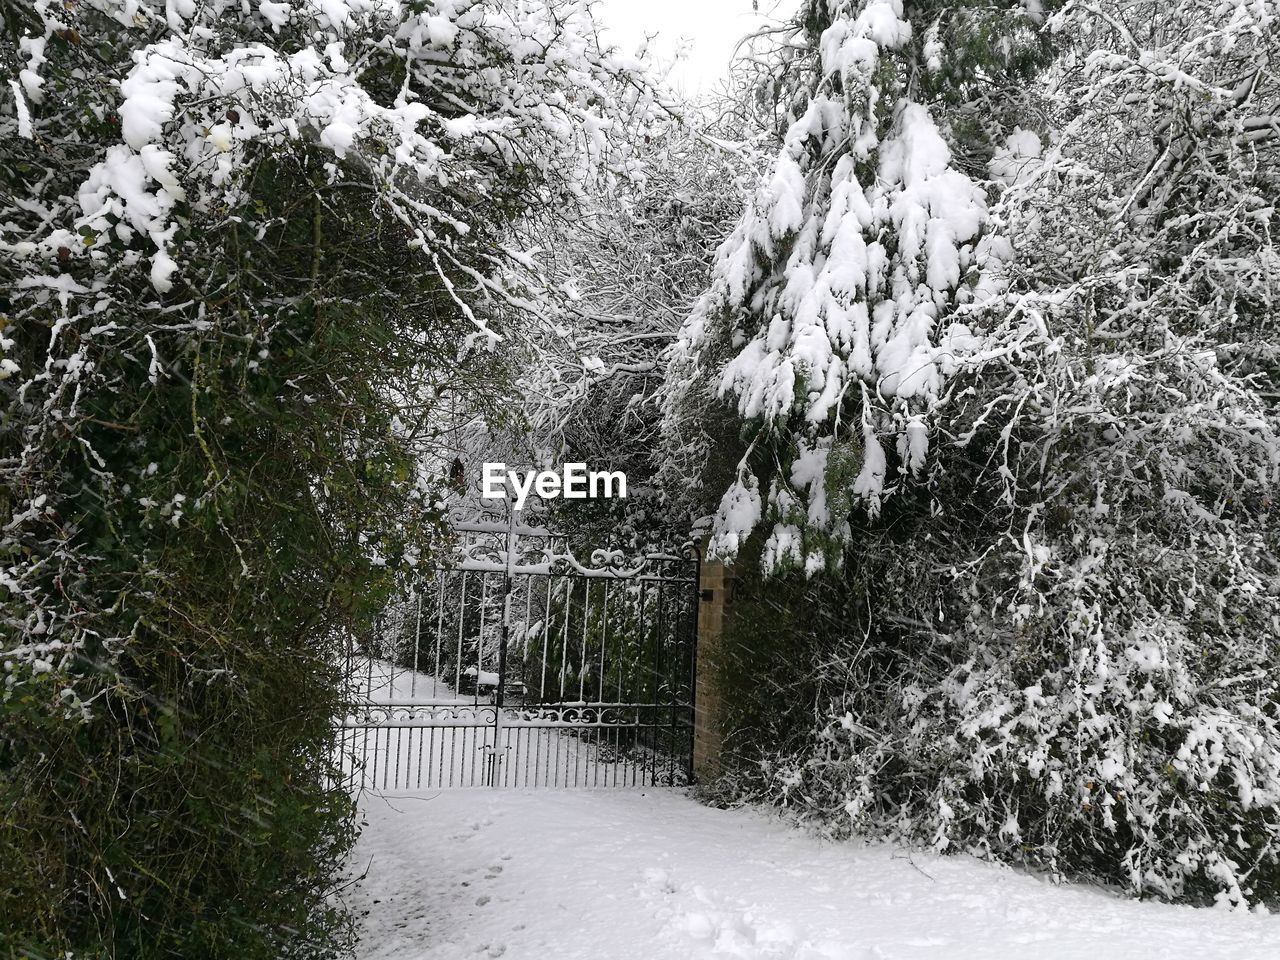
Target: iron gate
517	664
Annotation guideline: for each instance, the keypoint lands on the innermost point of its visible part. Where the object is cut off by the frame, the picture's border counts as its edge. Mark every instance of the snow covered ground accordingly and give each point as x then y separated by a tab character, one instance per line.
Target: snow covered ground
653	875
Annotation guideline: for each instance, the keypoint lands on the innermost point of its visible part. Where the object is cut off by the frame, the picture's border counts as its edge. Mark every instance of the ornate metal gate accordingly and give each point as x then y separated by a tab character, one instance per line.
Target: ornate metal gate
517	664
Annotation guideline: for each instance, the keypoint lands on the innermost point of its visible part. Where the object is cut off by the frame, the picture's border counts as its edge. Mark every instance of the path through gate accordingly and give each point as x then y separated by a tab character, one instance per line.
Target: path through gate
517	664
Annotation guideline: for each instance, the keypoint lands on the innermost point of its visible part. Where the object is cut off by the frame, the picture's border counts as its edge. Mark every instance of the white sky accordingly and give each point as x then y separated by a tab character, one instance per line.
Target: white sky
711	27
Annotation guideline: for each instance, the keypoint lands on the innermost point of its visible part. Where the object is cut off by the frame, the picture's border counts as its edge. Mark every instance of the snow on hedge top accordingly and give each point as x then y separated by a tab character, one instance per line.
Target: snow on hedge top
838	284
486	87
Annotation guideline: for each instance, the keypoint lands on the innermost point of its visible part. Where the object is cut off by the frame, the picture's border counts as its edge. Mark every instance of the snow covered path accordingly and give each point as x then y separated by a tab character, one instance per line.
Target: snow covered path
626	875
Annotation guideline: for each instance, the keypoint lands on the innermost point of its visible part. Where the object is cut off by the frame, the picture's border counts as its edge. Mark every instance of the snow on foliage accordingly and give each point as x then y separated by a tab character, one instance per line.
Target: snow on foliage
436	112
1062	647
838	294
196	103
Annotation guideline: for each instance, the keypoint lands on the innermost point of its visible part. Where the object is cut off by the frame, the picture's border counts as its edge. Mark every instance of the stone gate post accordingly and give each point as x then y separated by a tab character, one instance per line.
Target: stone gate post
715	587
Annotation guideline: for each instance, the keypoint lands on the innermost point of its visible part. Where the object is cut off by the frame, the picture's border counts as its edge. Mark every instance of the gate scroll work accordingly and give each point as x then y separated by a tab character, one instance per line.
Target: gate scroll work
517	664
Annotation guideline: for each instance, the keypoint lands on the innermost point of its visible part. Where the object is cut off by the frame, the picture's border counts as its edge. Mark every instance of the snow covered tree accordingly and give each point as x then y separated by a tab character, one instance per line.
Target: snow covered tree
246	250
835	316
630	269
1056	642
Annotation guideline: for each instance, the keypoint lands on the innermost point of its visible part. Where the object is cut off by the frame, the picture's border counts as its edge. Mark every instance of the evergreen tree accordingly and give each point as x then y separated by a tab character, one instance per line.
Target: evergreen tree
835	314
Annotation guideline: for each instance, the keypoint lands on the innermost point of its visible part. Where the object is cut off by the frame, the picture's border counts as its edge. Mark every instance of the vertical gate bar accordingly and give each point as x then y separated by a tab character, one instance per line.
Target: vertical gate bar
421	738
662	683
515	763
687	664
691	666
638	686
484	606
612	768
675	668
377	739
671	742
664	645
619	735
538	763
504	638
653	696
542	732
659	675
564	635
366	774
546	641
582	679
637	665
664	680
462	617
526	584
399	748
586	628
556	768
439	578
475	693
430	758
369	699
535	734
627	601
620	666
648	698
528	746
510	769
604	644
417	639
471	781
602	732
681	695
